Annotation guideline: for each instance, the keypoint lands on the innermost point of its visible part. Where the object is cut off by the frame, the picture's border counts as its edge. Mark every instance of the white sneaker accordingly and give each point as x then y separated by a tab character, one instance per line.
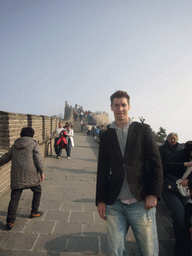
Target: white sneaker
68	157
58	157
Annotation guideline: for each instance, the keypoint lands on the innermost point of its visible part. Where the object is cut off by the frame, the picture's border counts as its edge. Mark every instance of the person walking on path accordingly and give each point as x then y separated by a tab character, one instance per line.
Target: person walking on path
27	171
168	148
101	132
129	180
57	132
174	201
175	168
70	140
97	132
188	209
62	140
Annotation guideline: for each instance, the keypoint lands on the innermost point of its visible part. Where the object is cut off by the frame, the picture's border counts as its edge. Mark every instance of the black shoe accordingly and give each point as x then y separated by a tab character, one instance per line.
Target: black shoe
9	226
34	215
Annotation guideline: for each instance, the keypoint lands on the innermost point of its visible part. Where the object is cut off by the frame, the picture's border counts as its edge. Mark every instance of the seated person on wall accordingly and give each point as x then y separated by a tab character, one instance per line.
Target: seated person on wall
27	171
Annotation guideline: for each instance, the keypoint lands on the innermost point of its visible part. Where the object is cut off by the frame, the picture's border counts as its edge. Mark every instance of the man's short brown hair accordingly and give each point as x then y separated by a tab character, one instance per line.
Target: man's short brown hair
120	94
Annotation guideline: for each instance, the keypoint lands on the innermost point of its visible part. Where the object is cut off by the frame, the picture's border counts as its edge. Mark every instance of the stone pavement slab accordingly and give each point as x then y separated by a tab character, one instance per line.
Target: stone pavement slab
56	215
16	241
67	228
70	224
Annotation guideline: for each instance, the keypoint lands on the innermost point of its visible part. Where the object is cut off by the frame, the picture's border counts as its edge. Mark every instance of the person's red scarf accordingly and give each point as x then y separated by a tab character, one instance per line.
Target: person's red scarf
62	140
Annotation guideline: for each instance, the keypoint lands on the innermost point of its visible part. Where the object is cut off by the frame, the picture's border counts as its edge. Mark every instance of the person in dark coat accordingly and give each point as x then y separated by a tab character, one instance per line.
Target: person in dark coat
169	147
129	180
176	203
101	132
188	208
27	171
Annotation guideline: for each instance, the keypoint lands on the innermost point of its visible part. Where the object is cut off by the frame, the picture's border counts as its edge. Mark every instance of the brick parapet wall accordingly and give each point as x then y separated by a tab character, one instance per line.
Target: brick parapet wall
16	122
4	128
10	128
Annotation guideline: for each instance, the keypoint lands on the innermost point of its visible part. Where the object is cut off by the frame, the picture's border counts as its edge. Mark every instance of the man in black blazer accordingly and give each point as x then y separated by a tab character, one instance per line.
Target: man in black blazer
129	180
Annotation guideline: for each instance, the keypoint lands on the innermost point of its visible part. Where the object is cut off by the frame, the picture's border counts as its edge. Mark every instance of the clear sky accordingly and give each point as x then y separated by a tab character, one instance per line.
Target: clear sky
82	51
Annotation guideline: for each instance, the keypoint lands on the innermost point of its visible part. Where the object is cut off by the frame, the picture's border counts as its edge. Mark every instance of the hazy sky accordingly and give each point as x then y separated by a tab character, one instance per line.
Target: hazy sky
84	50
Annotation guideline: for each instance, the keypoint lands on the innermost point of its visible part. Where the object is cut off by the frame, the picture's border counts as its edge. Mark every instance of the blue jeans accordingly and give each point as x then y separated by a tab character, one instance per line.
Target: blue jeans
68	149
176	204
120	216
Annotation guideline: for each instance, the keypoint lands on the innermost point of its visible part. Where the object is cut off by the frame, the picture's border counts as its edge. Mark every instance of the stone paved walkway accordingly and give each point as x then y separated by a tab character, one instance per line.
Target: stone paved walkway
70	224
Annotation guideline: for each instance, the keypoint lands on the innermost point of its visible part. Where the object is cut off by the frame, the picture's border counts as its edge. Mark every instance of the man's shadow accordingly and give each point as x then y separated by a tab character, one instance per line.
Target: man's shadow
90	243
93	243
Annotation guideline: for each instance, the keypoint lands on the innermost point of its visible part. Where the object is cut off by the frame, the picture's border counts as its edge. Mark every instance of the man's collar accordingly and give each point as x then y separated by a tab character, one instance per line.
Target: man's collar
115	126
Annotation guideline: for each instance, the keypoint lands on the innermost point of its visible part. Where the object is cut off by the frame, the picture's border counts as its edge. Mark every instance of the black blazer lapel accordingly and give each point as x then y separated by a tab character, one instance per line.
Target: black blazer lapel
115	143
131	140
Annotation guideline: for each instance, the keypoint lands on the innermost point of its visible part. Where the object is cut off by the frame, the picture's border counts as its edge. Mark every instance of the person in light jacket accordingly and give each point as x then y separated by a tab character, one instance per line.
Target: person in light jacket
70	140
27	171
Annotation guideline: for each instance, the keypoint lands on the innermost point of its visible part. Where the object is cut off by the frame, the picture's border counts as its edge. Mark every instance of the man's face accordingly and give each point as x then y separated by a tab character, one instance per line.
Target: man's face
120	109
60	125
